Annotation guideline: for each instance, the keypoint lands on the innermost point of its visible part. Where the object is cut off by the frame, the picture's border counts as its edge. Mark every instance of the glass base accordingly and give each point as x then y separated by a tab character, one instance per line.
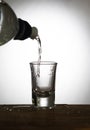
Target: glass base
43	102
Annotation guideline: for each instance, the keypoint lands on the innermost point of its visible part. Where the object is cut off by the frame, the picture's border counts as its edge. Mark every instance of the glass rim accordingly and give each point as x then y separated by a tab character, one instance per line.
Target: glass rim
43	63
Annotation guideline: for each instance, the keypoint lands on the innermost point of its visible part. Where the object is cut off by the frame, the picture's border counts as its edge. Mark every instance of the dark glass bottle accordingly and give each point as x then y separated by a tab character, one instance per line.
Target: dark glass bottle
25	31
12	27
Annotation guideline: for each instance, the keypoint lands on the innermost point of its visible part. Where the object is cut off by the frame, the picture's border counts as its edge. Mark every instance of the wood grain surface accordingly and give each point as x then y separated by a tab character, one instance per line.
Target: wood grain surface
62	117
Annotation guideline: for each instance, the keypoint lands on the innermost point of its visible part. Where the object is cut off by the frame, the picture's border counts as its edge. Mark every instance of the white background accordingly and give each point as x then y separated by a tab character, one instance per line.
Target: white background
64	28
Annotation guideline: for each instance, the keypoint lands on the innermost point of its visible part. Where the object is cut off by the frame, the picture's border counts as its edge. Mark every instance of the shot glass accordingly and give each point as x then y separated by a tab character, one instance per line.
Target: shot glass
43	77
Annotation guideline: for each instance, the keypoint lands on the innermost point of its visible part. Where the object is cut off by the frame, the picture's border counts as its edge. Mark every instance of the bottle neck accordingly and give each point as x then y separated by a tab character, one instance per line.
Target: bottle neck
25	31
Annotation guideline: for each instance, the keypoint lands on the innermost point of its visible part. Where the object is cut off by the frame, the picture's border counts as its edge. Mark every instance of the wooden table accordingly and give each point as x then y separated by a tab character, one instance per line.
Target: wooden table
63	117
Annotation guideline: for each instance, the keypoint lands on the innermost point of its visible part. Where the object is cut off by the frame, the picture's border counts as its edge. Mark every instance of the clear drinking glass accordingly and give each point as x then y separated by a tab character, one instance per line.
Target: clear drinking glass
43	77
